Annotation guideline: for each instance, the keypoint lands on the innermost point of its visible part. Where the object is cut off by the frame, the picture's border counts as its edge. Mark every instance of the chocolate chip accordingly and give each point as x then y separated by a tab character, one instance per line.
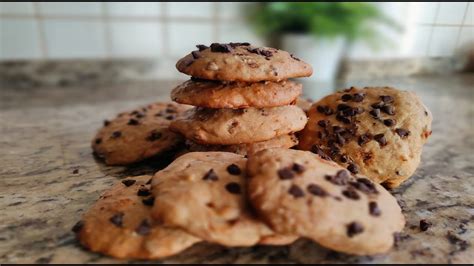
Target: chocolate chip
75	171
221	48
377	105
374	209
353	168
148	201
341	178
351	193
236	44
98	141
116	134
403	133
337	129
358	97
358	110
154	135
316	149
298	168
386	98
388	109
234	169
195	54
389	122
128	182
426	113
201	47
117	219
296	191
339	139
324	110
133	122
354	228
169	117
342	106
143	192
285	173
77	227
316	190
375	113
294	57
106	123
148	182
233	188
346	97
323	123
366	186
342	118
344	158
144	228
260	51
210	175
424	225
380	138
139	115
364	138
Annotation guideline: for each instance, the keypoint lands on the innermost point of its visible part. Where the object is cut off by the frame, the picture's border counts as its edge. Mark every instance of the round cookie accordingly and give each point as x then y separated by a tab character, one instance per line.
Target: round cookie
283	141
377	131
139	134
119	224
298	192
237	126
217	94
242	62
204	194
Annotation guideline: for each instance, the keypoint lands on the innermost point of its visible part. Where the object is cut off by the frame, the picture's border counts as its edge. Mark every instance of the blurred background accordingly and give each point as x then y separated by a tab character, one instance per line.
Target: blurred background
340	40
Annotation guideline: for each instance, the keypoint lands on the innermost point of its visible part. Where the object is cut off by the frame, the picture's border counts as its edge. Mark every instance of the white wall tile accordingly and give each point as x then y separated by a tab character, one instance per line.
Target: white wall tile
70	8
451	13
74	39
466	36
426	11
469	20
134	8
23	8
19	39
231	9
183	37
136	39
238	32
189	9
443	41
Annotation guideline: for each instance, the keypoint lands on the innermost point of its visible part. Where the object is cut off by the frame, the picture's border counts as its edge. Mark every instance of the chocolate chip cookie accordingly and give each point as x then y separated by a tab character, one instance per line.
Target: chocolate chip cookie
298	192
242	62
204	193
237	126
119	224
375	131
138	134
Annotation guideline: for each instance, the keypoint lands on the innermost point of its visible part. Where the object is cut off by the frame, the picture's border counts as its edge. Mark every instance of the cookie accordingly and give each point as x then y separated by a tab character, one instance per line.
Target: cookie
304	104
283	141
377	131
298	192
139	134
119	224
217	94
242	62
204	194
237	126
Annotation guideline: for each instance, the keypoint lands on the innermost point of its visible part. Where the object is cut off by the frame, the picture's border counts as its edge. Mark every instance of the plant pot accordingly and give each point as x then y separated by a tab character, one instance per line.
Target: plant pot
323	54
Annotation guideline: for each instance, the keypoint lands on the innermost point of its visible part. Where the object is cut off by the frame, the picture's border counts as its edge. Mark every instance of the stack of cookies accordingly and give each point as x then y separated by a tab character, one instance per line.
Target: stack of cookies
244	100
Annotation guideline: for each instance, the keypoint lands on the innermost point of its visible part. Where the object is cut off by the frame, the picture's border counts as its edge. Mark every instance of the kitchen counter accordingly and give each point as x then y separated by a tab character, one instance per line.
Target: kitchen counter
48	176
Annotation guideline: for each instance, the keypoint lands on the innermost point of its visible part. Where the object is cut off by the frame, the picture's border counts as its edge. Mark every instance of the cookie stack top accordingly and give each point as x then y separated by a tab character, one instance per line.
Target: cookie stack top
242	94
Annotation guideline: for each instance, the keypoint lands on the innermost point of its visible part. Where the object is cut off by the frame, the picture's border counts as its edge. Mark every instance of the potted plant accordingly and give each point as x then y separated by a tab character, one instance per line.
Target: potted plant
316	31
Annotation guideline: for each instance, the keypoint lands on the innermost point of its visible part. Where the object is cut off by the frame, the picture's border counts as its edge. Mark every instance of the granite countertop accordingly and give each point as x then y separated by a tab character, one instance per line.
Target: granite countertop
48	176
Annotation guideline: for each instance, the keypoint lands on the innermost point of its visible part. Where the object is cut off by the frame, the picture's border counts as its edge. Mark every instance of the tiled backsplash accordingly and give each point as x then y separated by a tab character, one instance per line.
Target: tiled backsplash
169	30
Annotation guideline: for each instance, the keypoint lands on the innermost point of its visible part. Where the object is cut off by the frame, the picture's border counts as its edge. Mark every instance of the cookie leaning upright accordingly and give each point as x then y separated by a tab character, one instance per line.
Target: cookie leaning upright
375	131
298	192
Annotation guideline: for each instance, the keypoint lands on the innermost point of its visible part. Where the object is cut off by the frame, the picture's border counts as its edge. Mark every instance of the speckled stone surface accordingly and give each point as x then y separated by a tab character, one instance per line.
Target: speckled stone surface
48	176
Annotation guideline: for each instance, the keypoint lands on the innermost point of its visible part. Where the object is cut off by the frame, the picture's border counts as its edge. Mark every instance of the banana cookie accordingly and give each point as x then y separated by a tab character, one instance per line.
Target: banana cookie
204	193
221	94
242	62
237	126
139	134
376	131
298	192
119	224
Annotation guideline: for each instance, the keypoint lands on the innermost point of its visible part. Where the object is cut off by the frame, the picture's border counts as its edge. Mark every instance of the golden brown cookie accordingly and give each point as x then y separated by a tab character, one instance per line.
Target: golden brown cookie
378	132
242	62
119	224
299	193
237	126
283	141
138	134
218	94
204	194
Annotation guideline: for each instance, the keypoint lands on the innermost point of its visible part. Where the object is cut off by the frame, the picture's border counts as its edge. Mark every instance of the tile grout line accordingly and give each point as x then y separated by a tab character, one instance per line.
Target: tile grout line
428	46
462	25
107	30
41	31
